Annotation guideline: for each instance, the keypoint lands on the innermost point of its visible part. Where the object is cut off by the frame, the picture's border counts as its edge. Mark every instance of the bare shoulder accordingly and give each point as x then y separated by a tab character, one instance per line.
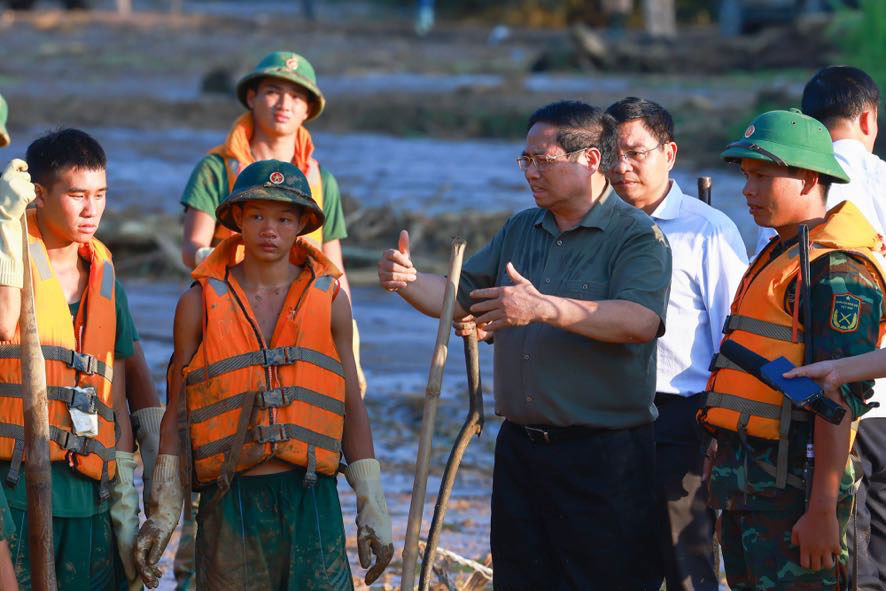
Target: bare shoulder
188	314
341	314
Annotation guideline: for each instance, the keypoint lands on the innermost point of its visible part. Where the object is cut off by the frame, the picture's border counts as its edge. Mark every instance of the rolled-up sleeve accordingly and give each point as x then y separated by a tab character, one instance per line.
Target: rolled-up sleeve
481	270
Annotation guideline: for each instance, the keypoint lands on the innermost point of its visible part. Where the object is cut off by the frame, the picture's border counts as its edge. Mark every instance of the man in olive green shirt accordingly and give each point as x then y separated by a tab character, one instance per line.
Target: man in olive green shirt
575	291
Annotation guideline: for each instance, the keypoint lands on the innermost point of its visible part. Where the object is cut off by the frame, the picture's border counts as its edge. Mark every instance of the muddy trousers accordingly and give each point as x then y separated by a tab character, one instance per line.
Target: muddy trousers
86	554
869	543
686	524
270	533
574	514
183	566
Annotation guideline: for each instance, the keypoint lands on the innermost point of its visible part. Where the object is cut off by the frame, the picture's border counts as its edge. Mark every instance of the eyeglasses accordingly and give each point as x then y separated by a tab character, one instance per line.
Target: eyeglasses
635	156
543	161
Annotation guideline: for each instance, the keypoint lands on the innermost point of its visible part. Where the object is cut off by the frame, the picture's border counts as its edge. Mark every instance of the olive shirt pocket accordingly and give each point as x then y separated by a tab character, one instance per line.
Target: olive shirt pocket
584	290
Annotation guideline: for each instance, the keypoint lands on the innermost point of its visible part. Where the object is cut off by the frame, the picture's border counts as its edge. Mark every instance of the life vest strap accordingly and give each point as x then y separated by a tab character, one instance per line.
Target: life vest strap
81	362
761	328
751	407
274	433
78	444
266	358
72	396
264	399
720	361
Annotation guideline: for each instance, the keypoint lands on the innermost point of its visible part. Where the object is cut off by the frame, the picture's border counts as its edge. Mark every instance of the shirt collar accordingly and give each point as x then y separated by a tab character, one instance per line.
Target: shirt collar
669	208
596	217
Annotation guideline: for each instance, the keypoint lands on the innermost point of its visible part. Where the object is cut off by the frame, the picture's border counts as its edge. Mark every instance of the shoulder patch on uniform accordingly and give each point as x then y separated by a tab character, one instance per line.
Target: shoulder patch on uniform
845	310
323	283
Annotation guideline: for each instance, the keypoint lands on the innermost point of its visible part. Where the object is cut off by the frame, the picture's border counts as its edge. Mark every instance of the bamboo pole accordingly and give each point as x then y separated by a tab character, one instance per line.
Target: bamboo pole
432	396
36	417
472	426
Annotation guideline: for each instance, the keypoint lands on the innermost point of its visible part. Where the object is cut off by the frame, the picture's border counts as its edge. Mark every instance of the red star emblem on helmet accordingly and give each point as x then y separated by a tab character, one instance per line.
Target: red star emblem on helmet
276	177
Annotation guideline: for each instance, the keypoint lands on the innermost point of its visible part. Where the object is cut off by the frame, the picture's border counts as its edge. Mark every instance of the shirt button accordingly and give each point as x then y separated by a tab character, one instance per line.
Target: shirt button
548	280
526	356
529	399
584	285
559	243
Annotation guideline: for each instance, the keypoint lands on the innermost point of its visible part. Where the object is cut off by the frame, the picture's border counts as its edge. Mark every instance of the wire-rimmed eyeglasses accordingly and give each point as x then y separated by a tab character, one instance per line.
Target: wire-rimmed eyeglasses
635	156
542	161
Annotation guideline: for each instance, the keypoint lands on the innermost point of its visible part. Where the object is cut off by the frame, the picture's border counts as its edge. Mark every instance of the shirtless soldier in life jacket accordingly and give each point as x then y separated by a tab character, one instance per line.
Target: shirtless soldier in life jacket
262	356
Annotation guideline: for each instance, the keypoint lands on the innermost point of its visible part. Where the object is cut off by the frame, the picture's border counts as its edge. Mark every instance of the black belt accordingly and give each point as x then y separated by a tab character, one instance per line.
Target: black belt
551	434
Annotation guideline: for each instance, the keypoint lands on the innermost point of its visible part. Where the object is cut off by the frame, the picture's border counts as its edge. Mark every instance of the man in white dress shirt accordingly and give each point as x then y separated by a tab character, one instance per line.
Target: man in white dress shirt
709	259
846	100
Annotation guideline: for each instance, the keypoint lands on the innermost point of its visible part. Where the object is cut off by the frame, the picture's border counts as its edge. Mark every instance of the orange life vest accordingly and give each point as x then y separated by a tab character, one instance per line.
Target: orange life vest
79	355
237	155
736	400
293	387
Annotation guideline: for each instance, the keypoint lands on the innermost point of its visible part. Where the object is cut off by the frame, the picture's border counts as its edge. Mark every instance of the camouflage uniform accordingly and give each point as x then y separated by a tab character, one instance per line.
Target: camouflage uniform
758	517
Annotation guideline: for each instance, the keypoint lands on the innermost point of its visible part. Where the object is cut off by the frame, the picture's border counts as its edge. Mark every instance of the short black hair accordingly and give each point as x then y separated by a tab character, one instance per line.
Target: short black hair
839	92
58	150
655	117
580	126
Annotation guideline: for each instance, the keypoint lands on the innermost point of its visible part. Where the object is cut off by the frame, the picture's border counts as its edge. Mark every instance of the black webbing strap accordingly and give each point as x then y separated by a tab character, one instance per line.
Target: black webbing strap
266	358
755	148
232	455
15	464
81	362
264	399
784	427
758	327
73	397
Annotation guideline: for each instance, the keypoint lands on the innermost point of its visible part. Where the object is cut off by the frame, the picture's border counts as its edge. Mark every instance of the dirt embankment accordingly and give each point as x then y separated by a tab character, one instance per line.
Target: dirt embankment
161	71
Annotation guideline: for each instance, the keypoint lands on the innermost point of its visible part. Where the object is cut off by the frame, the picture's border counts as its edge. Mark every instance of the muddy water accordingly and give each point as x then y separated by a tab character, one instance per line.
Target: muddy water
148	169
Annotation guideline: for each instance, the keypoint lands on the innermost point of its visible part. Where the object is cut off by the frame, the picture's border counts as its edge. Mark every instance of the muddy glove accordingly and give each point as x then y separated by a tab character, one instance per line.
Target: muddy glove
16	191
201	254
146	423
124	511
374	535
165	507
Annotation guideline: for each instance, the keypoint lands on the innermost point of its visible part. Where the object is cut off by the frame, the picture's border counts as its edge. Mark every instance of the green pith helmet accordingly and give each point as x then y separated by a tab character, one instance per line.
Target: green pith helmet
4	113
288	66
272	180
789	138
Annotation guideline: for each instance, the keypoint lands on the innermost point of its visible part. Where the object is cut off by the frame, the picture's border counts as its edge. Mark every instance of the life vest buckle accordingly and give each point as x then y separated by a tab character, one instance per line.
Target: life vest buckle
73	443
271	433
82	399
274	356
83	362
270	398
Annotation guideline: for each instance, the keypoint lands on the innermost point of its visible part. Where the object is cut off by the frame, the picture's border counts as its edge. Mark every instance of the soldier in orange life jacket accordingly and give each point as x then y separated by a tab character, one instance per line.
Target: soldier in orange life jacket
85	333
783	524
264	367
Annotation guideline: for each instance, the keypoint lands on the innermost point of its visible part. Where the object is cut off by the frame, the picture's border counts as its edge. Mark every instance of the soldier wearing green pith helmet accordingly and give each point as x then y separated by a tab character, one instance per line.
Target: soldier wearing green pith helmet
784	519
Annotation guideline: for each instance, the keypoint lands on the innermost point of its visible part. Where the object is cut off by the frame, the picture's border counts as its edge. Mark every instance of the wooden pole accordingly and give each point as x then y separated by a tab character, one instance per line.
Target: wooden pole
432	396
704	188
472	426
36	414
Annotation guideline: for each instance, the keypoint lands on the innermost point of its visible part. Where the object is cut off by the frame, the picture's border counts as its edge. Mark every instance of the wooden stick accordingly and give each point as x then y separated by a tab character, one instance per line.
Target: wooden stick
432	396
704	188
472	426
38	478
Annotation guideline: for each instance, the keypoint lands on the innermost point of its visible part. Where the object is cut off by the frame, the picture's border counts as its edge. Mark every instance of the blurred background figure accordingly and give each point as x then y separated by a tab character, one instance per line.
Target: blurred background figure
424	17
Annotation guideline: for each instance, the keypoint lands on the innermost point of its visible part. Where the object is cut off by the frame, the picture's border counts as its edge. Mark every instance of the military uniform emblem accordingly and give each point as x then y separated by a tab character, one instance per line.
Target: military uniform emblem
749	131
276	177
292	63
845	311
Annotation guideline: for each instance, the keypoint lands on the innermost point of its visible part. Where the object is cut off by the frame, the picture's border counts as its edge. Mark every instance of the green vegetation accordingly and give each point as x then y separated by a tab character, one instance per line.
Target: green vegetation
860	36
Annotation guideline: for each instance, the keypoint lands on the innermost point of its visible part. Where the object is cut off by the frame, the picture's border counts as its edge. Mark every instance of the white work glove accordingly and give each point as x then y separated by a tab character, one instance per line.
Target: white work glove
16	191
165	507
374	534
124	511
202	253
146	423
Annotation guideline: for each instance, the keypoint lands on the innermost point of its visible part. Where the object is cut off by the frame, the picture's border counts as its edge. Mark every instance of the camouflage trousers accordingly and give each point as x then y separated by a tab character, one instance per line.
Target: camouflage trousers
758	554
270	533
